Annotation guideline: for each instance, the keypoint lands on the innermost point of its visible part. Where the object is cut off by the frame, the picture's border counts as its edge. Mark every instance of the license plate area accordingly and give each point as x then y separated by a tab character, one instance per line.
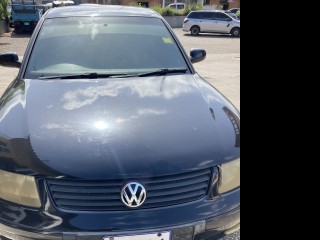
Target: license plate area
152	236
26	23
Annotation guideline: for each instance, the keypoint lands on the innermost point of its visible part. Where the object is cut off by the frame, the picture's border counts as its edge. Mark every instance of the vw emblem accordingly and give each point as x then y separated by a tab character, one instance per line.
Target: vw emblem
133	195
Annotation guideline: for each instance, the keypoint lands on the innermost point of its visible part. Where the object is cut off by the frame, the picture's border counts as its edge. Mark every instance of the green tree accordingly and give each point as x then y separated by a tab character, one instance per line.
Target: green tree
238	14
3	9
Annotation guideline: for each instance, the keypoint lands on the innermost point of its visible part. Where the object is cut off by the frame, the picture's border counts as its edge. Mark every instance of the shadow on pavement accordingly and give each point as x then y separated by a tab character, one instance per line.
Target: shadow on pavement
21	35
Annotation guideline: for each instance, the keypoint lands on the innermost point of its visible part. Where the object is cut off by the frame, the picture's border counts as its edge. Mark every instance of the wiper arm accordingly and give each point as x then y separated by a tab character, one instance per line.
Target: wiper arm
84	75
163	71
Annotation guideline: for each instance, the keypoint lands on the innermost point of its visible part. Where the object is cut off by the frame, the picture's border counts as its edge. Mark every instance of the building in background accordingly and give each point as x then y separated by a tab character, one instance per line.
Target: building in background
223	4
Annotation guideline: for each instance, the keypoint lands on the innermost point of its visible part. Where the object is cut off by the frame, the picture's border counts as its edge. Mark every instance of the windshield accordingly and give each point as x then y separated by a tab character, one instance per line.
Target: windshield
105	45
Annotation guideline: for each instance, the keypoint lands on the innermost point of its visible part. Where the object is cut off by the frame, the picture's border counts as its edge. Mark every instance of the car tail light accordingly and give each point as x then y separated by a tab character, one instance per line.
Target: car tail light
186	20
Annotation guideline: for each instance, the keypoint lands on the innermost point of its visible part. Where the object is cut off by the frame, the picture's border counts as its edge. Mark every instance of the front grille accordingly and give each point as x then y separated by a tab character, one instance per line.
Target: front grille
87	195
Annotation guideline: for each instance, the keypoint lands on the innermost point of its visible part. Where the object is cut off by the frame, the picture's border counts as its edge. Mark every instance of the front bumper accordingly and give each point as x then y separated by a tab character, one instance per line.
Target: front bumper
186	28
203	230
27	26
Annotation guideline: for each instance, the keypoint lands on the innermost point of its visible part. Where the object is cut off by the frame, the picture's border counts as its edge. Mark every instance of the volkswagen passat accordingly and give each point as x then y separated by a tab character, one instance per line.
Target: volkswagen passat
109	133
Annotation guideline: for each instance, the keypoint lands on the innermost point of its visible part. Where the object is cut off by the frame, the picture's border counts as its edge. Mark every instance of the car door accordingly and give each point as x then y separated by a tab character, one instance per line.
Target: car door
222	23
206	22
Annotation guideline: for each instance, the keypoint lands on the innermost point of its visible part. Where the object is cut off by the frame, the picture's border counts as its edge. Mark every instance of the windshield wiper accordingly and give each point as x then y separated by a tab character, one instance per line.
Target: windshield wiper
163	71
159	72
84	75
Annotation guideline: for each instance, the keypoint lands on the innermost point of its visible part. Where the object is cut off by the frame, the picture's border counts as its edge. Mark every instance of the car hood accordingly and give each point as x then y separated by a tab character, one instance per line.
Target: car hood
113	128
236	21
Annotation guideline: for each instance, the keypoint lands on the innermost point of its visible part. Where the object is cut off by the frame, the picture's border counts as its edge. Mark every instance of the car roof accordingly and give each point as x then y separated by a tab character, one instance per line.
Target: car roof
210	11
60	2
94	10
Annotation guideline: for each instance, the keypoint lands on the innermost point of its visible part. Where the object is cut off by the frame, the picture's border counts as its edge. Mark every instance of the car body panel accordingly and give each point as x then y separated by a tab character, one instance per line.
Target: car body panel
93	10
222	26
116	124
234	10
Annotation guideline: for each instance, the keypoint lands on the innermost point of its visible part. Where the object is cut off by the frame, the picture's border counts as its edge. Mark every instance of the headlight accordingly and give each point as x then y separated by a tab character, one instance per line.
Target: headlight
19	189
230	176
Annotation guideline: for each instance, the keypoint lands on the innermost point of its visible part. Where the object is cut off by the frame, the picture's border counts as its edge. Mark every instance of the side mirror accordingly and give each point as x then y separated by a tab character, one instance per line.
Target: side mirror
10	60
198	55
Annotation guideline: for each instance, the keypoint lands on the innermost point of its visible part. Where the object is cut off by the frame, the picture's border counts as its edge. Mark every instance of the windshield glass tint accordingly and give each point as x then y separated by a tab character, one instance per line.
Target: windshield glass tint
103	45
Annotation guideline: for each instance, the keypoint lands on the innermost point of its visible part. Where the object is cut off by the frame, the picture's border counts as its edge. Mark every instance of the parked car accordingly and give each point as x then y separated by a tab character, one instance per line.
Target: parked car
120	139
211	22
55	4
234	10
178	6
25	15
62	3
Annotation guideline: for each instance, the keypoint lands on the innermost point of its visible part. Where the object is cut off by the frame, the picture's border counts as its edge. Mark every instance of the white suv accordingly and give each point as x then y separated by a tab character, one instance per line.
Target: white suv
211	22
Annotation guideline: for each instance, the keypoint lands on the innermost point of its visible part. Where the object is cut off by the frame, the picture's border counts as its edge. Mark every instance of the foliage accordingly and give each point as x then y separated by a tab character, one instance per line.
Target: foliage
238	14
219	7
167	11
135	4
191	8
3	9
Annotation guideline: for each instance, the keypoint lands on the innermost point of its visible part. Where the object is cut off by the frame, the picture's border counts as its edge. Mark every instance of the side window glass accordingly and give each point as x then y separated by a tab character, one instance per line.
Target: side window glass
208	15
214	16
221	17
196	15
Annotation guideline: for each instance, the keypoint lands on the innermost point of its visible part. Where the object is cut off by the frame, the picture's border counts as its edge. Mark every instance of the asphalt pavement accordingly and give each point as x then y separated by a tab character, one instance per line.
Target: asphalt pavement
221	68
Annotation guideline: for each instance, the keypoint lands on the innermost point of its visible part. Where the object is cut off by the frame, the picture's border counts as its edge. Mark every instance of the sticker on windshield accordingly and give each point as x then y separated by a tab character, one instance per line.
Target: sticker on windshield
167	40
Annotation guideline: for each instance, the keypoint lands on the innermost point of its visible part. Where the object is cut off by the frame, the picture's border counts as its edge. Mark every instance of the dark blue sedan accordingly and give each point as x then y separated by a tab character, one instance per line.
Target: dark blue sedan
109	133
